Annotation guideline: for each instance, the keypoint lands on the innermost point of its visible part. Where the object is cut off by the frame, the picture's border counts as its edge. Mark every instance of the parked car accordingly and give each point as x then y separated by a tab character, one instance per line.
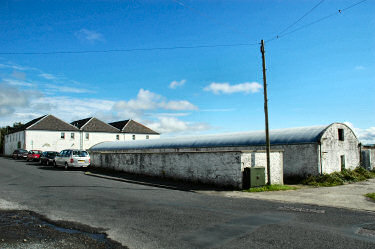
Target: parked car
72	158
48	157
17	154
34	155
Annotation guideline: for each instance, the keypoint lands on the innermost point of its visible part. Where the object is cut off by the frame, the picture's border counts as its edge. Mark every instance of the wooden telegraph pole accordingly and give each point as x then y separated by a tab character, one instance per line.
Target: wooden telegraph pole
266	112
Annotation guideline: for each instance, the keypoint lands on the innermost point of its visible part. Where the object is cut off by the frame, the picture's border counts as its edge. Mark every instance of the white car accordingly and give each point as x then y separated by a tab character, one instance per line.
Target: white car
72	158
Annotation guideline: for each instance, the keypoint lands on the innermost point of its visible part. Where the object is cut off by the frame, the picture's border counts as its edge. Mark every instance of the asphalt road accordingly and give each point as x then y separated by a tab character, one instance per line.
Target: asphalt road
144	216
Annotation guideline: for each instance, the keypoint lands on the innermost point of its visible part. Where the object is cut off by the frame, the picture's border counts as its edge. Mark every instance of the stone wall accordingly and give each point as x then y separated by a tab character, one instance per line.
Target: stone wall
221	168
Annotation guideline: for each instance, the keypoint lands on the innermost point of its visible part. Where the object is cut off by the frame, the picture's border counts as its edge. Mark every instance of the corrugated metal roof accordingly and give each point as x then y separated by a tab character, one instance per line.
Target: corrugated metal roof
298	135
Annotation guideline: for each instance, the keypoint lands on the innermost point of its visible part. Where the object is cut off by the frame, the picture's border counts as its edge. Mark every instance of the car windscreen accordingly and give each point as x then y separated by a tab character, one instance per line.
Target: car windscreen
80	153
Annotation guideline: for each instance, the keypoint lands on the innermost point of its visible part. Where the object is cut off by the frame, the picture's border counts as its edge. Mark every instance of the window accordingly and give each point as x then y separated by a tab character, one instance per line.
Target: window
62	135
342	159
87	136
341	134
147	136
117	137
133	137
72	135
80	153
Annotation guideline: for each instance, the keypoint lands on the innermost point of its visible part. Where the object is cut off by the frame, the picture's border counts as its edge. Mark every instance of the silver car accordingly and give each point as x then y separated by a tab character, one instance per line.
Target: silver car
72	158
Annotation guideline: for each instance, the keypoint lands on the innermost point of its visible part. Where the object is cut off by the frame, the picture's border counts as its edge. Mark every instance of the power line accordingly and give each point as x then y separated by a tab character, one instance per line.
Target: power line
130	49
208	17
306	14
196	46
339	11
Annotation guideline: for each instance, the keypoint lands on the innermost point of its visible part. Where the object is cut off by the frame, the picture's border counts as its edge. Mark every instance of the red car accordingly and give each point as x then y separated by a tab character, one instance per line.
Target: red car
34	155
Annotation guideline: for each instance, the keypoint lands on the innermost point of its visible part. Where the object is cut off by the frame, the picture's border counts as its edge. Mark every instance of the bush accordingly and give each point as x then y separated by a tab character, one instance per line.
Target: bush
339	178
371	196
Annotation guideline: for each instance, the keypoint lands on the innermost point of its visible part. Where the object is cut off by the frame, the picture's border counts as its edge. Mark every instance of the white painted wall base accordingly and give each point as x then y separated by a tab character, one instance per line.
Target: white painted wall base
220	168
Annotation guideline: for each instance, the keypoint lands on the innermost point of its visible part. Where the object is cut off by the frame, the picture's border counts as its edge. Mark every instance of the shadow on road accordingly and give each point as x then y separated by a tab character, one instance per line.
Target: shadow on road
59	168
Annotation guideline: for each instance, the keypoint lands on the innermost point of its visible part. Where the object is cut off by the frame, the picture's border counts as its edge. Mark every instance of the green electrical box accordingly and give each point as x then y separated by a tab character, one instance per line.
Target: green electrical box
253	177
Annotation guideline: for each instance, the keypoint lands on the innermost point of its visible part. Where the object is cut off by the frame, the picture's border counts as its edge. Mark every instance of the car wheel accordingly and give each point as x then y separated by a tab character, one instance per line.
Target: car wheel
54	164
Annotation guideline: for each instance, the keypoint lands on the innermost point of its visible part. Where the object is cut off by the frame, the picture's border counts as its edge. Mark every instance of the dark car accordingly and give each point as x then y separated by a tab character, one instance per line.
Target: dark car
34	155
48	157
17	154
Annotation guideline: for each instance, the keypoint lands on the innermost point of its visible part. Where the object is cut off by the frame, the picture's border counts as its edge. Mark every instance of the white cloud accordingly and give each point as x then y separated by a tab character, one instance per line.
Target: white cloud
67	89
174	84
179	105
89	35
17	67
146	101
365	136
12	98
47	76
359	68
219	110
14	82
19	75
226	88
173	125
69	109
168	114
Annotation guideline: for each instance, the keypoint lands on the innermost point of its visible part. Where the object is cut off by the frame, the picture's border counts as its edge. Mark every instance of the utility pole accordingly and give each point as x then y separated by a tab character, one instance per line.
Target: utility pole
268	145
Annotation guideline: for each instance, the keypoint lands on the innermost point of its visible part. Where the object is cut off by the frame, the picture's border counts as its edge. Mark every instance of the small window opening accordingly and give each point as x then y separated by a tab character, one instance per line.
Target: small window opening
117	137
87	136
342	159
341	134
147	136
72	135
133	137
62	135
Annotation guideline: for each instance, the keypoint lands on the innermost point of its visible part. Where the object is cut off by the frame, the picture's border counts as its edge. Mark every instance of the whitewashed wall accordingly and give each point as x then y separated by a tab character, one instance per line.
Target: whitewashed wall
221	168
97	137
259	159
11	142
51	140
128	137
332	149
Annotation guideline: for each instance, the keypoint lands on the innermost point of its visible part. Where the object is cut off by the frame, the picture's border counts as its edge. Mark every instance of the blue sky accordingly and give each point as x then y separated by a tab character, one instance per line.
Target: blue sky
319	74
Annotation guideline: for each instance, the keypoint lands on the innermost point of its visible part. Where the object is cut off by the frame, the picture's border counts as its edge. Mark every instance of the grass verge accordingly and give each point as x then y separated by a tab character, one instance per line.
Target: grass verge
275	187
339	178
371	196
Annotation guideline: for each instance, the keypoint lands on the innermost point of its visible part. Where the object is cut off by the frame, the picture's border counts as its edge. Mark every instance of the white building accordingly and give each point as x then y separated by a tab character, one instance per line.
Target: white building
132	130
48	133
305	151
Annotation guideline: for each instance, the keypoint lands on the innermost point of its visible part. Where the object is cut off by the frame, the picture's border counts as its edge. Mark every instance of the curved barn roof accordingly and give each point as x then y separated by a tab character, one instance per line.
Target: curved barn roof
300	135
